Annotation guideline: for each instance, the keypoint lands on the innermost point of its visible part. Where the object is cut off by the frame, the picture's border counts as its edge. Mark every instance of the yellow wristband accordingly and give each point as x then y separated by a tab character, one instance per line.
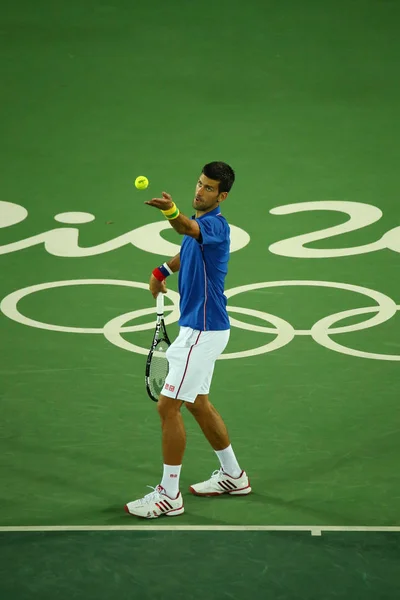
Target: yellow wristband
170	211
174	215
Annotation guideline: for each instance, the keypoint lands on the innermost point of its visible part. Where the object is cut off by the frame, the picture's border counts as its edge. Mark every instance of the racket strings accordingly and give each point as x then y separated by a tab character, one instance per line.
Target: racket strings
158	369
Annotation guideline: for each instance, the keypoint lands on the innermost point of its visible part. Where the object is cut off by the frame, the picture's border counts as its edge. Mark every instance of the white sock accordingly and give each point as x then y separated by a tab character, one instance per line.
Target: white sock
228	461
170	480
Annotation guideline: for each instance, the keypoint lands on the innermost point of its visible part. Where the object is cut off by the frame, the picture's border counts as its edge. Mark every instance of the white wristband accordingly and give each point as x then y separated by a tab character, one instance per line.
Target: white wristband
167	267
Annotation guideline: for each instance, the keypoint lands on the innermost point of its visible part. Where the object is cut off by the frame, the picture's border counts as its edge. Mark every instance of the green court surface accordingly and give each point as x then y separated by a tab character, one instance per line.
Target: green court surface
202	565
301	98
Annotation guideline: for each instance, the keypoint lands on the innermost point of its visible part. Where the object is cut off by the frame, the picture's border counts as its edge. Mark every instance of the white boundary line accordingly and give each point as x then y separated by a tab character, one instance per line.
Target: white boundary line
315	530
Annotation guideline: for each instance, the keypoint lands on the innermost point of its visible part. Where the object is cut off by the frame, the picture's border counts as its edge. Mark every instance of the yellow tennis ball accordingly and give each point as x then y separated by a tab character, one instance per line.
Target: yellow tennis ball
141	182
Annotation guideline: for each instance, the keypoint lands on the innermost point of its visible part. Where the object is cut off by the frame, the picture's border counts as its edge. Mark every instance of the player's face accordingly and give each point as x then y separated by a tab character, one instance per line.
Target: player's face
207	194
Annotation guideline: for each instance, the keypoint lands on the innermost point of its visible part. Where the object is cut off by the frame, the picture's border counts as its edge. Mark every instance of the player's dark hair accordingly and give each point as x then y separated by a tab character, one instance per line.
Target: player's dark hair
220	171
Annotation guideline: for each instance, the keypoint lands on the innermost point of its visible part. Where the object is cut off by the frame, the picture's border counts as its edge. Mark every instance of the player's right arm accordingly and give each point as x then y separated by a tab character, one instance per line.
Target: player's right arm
156	284
175	263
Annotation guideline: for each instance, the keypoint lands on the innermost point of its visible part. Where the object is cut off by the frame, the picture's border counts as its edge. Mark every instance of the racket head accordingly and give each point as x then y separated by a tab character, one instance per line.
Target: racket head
157	369
157	363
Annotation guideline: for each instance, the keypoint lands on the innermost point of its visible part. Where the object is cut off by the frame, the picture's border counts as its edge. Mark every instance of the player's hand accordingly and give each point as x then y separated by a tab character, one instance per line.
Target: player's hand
156	287
163	203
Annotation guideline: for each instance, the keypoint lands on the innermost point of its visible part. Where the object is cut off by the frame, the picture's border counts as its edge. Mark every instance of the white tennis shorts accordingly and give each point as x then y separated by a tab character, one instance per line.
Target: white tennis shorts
191	358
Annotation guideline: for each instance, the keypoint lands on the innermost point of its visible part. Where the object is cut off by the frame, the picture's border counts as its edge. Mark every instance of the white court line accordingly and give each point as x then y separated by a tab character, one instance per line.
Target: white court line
315	530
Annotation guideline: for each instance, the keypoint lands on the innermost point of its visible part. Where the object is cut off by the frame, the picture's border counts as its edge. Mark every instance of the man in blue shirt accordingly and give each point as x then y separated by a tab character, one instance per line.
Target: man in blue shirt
204	333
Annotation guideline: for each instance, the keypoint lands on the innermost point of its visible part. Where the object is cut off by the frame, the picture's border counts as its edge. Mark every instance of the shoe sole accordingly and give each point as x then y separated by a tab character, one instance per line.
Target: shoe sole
172	513
242	492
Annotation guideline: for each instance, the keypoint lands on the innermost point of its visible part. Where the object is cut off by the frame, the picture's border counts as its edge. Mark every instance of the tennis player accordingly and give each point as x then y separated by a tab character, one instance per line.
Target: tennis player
204	333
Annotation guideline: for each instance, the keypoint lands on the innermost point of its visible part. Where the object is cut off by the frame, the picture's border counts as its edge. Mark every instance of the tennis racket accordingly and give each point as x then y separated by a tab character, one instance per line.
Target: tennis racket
157	363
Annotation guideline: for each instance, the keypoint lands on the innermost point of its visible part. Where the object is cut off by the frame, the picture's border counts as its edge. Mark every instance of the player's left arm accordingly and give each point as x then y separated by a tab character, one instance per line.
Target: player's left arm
181	223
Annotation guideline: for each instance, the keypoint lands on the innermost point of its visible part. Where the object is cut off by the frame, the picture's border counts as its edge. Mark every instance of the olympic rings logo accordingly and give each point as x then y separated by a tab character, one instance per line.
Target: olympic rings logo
320	332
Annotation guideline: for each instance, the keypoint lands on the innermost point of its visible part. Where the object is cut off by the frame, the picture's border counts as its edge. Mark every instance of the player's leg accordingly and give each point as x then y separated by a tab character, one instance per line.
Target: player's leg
210	421
172	428
230	479
173	442
166	498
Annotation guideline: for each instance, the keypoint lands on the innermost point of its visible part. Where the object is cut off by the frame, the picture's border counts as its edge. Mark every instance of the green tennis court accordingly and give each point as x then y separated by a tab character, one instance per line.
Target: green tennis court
302	100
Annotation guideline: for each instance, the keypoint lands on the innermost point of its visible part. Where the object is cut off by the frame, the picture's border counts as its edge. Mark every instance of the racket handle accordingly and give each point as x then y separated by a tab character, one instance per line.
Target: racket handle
160	304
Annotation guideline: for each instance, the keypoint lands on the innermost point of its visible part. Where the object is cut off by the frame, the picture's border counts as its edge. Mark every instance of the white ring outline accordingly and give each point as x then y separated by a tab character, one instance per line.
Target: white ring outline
284	335
322	338
384	302
9	307
112	334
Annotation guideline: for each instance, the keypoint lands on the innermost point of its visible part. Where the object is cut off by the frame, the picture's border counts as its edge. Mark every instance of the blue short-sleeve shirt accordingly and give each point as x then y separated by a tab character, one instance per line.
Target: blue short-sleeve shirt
202	272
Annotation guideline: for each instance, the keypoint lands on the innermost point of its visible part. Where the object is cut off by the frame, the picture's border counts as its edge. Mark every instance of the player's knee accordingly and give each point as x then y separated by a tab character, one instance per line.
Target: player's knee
191	408
200	406
167	407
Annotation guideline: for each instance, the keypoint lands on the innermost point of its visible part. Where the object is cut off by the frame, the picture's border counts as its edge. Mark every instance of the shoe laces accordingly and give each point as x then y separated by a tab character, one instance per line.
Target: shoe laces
216	473
152	496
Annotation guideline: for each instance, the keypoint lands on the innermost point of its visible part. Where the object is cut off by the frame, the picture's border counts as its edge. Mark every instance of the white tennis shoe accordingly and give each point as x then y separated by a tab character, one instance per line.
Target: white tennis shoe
156	504
222	483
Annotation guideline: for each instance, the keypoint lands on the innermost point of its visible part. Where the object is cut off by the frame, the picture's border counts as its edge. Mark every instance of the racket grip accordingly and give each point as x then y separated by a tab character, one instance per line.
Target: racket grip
160	304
